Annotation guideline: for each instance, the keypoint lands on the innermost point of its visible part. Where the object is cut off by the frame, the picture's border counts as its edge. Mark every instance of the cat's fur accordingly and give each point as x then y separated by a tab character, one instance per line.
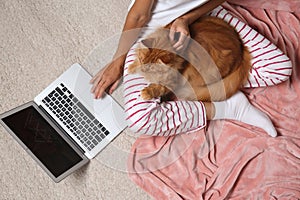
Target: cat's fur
168	72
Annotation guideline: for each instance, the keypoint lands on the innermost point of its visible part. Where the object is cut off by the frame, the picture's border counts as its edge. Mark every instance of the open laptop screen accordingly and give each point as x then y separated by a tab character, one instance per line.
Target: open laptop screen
42	140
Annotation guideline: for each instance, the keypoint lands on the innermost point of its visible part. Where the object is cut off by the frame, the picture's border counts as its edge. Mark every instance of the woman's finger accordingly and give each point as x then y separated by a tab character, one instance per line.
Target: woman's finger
114	86
95	83
184	45
172	34
96	79
99	90
180	41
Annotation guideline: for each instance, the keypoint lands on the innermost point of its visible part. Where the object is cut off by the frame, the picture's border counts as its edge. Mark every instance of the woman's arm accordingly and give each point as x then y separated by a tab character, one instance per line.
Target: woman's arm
109	76
137	17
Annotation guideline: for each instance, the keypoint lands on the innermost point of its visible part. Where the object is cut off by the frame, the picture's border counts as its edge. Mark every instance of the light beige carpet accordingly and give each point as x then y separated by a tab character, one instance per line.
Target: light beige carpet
38	41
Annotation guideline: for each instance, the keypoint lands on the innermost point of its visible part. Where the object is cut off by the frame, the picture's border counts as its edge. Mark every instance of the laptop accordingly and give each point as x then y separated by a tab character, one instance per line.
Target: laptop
64	127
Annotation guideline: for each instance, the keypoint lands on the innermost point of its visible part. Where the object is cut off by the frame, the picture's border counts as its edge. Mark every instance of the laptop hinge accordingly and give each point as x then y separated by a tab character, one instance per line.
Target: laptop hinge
61	129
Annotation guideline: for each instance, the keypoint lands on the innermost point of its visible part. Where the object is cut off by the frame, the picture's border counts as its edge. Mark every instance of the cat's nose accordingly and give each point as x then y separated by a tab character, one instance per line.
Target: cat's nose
151	67
145	68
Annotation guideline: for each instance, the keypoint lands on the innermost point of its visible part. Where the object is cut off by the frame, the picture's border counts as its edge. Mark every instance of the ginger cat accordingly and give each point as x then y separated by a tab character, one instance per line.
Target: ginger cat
213	67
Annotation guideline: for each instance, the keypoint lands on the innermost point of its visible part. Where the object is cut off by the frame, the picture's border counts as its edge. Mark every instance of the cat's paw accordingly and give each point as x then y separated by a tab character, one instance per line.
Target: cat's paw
132	68
153	91
147	94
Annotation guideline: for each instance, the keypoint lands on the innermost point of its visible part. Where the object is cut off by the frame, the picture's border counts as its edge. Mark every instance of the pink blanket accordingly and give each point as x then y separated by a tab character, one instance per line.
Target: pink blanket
232	160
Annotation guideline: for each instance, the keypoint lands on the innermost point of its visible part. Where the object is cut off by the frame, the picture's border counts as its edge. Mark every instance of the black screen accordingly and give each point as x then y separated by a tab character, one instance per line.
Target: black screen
42	140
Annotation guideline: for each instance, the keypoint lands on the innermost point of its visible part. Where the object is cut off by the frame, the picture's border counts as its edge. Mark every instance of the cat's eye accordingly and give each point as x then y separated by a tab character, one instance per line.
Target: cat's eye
166	59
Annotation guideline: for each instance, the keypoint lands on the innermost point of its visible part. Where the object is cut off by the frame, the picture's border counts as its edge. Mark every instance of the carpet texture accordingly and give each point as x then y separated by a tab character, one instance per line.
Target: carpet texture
38	41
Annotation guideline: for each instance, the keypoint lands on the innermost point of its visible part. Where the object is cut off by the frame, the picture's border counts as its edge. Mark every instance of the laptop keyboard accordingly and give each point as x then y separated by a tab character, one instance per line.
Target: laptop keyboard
88	130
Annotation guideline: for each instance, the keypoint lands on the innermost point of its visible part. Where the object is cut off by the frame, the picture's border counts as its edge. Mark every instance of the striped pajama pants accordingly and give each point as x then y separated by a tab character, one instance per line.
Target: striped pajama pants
152	117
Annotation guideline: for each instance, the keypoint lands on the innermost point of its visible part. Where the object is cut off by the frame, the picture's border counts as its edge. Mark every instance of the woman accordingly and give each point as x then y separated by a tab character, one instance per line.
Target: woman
165	118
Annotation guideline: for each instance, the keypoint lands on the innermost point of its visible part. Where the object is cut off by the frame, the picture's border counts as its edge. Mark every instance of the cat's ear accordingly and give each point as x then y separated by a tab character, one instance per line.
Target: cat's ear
147	43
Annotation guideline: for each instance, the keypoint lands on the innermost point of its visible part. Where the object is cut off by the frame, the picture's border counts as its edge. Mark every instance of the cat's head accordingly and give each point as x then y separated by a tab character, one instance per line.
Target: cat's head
155	55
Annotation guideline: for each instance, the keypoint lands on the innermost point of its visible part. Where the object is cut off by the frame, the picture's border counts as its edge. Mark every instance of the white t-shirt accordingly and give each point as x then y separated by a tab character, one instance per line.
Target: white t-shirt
165	11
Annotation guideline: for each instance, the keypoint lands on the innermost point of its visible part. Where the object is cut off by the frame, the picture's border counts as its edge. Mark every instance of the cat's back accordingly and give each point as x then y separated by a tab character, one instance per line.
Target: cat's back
220	40
214	29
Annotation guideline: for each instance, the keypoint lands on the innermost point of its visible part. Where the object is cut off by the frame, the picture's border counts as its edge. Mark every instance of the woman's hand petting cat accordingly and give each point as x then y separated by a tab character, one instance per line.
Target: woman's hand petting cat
108	78
179	26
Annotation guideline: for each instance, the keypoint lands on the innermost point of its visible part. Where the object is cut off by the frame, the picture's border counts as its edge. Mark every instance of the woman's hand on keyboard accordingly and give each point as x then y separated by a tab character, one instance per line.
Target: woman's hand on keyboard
108	78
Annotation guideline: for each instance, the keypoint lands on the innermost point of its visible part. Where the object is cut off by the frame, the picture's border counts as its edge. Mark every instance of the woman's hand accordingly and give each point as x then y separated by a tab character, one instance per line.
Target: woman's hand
107	78
180	26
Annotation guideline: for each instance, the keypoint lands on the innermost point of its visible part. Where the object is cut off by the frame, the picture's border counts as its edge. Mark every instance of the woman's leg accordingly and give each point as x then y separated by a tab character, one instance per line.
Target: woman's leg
270	66
158	118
